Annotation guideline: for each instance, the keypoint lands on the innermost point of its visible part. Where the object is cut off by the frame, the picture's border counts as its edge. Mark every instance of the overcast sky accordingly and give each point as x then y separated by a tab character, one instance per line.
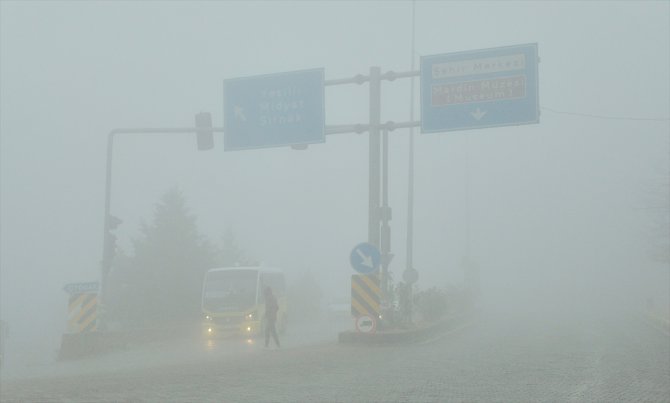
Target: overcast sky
554	202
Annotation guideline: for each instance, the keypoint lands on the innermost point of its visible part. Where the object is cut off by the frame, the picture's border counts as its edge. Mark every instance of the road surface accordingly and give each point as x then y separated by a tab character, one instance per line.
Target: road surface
501	357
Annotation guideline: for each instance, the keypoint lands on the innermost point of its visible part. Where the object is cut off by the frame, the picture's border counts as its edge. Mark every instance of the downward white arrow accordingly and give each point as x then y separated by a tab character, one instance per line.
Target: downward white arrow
478	114
239	113
367	260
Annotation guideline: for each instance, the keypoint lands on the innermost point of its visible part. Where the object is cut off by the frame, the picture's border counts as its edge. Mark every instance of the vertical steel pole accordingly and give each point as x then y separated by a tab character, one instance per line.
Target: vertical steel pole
410	204
385	229
375	113
410	182
105	265
467	197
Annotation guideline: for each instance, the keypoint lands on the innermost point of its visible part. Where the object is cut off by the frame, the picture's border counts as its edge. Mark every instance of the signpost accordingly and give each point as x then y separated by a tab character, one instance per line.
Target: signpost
82	306
274	110
82	312
366	295
82	288
479	88
365	324
365	258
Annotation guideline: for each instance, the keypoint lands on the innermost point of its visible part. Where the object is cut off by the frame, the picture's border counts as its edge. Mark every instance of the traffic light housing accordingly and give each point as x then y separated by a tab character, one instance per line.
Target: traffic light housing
205	135
109	252
110	247
113	222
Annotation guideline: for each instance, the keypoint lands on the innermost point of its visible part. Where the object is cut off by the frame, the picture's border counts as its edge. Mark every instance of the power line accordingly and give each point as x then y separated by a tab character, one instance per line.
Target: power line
588	115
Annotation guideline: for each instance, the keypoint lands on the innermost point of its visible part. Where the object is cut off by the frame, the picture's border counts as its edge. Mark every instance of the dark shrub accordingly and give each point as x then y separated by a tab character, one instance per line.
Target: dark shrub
431	303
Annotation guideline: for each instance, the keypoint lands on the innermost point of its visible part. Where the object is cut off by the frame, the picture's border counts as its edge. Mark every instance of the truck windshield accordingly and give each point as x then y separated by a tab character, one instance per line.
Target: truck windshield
231	290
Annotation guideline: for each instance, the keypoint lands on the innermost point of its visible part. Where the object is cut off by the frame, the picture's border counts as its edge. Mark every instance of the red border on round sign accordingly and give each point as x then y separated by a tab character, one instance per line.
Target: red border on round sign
374	324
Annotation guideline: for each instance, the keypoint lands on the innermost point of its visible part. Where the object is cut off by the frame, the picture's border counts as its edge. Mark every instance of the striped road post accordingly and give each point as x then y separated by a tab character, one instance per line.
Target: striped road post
365	295
82	313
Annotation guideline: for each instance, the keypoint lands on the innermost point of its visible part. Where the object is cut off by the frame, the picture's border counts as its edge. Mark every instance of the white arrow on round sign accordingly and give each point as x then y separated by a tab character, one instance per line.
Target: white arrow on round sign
365	258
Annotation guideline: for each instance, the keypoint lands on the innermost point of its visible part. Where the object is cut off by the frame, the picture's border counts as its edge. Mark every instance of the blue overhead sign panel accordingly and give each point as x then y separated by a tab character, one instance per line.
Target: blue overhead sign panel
479	88
274	110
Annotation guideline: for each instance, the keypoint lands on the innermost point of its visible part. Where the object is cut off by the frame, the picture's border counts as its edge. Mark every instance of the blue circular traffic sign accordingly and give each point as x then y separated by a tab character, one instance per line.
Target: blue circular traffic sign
365	258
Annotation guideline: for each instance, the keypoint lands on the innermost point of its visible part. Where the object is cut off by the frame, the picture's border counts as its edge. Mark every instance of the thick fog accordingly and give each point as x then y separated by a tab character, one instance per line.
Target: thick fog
569	212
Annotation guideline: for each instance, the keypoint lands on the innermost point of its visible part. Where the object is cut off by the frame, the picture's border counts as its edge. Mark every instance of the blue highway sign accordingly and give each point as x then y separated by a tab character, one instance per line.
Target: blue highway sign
82	288
365	258
479	88
274	110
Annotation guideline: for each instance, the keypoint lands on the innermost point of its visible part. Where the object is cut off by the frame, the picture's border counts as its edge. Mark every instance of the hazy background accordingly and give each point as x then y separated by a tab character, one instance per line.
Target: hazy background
559	209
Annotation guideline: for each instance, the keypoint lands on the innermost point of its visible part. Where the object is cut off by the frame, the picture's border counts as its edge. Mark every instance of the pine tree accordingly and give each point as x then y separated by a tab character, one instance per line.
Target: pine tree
231	254
168	264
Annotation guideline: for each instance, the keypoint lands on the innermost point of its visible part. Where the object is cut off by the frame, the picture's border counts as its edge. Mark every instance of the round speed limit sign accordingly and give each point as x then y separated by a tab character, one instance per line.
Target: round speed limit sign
365	324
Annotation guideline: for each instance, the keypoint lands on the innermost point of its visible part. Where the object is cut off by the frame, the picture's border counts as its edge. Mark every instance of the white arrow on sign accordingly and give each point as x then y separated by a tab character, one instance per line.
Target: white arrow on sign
239	113
367	260
478	114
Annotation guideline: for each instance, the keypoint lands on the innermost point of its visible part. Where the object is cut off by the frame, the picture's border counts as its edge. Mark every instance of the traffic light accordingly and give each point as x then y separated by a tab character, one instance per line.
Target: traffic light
109	252
205	135
109	247
113	222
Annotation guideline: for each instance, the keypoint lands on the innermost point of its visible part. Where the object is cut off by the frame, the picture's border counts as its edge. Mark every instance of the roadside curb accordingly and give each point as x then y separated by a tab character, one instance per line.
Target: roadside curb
417	334
79	345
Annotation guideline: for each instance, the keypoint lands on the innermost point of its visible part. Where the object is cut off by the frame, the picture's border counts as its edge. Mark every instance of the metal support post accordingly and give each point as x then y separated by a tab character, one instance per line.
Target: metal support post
385	215
106	263
375	113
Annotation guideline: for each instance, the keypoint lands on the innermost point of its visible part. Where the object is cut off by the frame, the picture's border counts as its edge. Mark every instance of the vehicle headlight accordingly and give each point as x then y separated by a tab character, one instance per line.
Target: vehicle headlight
207	317
250	316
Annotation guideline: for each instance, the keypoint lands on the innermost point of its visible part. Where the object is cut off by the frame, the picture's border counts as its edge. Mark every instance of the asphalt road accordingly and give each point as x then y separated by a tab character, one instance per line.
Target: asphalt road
501	357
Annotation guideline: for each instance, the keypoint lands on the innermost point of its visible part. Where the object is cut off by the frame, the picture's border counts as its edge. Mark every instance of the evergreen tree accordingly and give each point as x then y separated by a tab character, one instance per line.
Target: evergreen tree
161	281
231	254
170	258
